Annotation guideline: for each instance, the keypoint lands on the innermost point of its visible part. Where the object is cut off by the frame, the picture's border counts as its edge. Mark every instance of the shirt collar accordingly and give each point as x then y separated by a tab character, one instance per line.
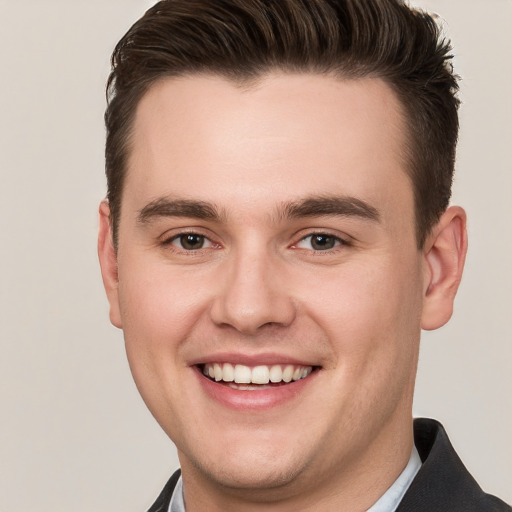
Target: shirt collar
390	500
177	503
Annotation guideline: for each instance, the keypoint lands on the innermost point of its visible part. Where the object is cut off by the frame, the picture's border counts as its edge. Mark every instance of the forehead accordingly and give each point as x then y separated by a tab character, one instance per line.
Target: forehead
286	134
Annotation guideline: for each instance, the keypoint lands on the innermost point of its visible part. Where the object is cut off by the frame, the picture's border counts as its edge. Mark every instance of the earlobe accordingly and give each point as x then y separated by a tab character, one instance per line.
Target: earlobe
108	262
444	256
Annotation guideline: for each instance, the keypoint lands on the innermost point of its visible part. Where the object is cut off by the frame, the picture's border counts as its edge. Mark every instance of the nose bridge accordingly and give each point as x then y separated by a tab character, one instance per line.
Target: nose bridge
253	293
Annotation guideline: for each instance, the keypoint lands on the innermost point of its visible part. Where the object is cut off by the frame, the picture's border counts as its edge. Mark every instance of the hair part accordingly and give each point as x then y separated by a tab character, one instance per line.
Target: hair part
243	41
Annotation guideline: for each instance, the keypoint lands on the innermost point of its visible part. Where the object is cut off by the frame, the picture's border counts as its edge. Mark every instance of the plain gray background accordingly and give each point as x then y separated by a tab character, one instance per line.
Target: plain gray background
74	433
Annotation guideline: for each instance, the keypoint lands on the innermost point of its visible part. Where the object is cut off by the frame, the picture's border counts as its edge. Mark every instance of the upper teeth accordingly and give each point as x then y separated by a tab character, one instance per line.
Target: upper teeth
263	374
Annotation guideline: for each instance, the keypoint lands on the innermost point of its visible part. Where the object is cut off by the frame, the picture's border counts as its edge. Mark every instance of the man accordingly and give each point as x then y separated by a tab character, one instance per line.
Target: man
276	235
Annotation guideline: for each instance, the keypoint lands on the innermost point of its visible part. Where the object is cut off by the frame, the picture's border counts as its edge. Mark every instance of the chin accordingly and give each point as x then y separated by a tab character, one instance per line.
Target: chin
252	469
254	478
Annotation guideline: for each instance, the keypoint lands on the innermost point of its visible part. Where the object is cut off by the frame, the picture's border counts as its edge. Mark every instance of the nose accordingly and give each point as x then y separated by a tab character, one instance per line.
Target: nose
253	294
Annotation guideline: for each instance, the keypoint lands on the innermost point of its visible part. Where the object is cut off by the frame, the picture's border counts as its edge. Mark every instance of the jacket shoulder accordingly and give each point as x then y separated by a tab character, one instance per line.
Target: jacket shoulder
443	483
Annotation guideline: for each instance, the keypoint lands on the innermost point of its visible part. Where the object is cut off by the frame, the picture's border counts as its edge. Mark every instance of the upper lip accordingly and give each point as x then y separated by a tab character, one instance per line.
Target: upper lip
267	359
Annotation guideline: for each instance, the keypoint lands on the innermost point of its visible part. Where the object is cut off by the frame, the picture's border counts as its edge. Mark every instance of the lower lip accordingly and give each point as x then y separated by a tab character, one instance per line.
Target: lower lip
257	399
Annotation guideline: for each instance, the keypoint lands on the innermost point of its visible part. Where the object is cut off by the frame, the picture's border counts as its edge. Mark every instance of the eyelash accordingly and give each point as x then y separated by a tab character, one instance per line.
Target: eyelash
338	242
169	241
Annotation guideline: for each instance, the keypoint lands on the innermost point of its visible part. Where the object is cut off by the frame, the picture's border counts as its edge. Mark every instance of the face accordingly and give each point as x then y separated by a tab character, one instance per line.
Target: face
267	240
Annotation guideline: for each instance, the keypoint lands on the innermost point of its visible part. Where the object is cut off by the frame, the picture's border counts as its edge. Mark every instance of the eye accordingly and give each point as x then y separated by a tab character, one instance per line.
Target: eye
319	242
190	241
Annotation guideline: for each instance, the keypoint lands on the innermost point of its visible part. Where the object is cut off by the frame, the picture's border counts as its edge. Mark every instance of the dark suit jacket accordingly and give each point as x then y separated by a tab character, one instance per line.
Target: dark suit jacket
442	484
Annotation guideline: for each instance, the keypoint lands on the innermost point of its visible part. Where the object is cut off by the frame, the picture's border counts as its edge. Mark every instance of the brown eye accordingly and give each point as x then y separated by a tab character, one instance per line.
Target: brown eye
190	241
322	242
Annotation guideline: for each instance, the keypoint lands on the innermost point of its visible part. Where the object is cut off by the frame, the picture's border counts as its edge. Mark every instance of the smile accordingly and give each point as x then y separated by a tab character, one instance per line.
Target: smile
255	387
238	375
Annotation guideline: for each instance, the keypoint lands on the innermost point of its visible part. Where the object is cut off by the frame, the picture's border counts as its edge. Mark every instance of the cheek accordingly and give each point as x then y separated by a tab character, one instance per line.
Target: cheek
371	319
370	310
159	302
159	309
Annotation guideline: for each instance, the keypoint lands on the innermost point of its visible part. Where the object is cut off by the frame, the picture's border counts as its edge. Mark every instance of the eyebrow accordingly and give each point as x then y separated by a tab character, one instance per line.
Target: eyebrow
318	206
166	207
315	206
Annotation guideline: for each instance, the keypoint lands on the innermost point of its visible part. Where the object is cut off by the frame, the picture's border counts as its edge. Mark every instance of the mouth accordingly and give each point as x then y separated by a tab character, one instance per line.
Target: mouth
256	386
253	378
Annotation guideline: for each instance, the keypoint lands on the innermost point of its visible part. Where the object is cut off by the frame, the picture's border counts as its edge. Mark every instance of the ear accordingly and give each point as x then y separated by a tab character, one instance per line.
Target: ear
108	262
444	256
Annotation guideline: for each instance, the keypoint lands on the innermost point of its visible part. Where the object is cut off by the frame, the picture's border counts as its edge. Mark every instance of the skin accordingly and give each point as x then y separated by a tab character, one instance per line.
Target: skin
258	287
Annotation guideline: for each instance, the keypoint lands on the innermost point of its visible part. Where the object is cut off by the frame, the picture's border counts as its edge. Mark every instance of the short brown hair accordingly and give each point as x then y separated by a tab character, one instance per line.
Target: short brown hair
244	39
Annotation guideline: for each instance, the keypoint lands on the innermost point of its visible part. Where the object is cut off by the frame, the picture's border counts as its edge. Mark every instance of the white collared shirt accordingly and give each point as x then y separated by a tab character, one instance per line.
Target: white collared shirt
177	503
388	502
